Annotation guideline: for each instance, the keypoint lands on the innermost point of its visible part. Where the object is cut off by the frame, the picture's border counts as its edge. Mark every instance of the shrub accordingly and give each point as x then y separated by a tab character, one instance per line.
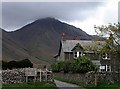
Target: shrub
56	67
80	65
16	64
84	64
67	66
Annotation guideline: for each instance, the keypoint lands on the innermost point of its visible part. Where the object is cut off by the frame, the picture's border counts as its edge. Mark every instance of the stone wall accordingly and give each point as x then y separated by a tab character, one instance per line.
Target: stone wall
89	78
13	76
110	77
25	75
70	76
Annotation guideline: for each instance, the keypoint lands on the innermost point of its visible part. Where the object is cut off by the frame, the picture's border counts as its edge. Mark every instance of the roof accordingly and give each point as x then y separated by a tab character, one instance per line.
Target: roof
77	47
68	45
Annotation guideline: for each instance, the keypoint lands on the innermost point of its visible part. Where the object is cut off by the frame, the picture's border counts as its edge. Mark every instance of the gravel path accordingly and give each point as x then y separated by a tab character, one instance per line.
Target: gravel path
64	85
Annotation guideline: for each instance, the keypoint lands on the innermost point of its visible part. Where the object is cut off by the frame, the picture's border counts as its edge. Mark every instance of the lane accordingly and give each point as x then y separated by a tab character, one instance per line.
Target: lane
64	85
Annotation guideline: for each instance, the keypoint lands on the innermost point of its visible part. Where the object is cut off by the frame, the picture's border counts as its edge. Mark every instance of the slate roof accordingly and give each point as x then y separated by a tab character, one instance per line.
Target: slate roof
68	45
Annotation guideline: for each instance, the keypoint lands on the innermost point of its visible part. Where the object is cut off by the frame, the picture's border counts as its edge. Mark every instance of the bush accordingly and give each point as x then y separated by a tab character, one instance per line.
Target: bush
80	65
84	64
67	66
16	64
64	66
55	67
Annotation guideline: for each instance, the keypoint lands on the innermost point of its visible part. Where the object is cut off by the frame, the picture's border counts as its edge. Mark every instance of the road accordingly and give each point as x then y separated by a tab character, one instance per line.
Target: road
64	85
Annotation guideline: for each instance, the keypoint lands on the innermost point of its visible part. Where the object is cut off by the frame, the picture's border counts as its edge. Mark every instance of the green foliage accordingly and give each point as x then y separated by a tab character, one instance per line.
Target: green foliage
80	65
67	66
55	67
83	65
112	32
112	46
104	85
36	85
61	66
16	64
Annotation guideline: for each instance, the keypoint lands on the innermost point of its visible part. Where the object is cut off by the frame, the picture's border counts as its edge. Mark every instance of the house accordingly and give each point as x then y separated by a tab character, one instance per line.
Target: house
72	49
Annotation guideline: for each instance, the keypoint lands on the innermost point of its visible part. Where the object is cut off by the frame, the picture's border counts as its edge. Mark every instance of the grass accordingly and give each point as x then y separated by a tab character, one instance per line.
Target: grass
101	85
104	85
37	85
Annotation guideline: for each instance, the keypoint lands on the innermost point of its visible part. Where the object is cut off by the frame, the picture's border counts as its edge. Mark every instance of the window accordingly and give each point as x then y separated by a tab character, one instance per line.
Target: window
106	56
77	54
80	53
104	68
108	68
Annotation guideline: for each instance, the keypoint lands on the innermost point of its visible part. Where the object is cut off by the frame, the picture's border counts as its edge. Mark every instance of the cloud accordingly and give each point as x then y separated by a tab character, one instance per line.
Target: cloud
111	12
82	14
17	14
106	13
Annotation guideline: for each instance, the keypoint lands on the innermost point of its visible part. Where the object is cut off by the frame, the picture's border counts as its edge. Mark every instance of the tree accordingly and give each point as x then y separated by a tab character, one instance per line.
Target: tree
25	63
111	30
12	64
4	65
112	46
16	64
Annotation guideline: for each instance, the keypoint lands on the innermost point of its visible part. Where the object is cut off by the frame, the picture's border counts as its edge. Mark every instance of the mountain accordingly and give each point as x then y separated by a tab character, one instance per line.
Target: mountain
41	38
12	50
96	37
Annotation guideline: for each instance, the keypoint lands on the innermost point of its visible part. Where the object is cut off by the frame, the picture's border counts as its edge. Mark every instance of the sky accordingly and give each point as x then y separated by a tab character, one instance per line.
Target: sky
82	14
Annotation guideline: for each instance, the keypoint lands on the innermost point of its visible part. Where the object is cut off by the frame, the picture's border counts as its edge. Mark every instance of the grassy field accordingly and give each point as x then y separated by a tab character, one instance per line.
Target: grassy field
37	85
102	85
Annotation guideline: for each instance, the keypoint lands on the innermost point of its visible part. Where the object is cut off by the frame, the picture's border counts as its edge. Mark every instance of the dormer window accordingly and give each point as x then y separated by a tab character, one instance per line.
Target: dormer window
77	54
106	56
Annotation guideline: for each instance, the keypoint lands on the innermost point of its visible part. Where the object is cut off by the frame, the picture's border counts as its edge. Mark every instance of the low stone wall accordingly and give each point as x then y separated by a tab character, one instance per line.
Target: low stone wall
13	76
110	77
25	75
70	76
89	78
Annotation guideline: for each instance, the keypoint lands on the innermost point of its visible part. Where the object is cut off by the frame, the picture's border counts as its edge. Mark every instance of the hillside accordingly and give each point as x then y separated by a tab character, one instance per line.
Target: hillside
39	39
12	50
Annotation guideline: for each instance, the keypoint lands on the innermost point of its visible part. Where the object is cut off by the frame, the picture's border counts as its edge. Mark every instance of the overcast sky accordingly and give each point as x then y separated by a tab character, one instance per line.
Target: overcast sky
83	15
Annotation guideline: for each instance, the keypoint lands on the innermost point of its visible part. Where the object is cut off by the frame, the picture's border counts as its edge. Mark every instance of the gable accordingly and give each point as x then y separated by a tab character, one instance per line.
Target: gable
78	47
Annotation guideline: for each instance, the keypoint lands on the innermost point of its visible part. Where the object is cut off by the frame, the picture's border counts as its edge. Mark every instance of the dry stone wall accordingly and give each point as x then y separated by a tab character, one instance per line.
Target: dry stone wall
89	78
25	75
13	76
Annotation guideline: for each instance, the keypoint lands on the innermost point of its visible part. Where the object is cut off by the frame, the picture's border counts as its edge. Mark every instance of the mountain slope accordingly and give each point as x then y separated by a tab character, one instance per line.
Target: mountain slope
42	37
13	50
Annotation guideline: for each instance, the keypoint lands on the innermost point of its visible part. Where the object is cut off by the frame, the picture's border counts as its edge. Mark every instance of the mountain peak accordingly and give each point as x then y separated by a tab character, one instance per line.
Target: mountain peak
48	19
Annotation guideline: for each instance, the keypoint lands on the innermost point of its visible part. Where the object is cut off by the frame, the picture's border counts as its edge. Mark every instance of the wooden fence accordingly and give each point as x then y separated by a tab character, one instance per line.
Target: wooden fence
38	75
